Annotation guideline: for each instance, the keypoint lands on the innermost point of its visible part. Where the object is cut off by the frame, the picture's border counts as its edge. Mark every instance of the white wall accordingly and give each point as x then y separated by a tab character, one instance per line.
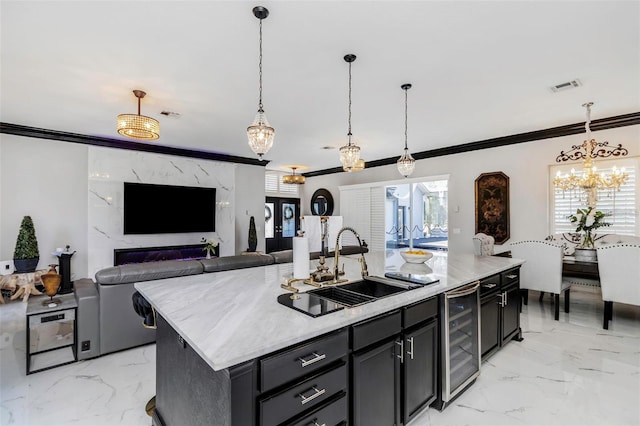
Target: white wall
46	180
249	202
49	181
527	166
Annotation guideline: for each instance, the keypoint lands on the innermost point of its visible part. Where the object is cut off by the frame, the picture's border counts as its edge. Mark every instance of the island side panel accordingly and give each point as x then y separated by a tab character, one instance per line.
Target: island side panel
188	391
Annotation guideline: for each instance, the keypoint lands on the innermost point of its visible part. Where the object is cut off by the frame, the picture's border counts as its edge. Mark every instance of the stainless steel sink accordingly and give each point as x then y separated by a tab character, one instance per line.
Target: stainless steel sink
359	292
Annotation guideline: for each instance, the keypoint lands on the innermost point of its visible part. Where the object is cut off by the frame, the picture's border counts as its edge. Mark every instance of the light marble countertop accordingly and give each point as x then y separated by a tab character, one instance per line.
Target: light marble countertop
233	316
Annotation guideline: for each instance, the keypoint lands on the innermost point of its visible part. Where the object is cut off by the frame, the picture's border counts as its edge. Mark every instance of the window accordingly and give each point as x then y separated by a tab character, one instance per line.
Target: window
622	205
273	184
428	200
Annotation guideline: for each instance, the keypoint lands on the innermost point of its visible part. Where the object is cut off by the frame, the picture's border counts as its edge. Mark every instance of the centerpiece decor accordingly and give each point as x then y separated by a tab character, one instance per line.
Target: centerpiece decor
26	254
210	247
587	220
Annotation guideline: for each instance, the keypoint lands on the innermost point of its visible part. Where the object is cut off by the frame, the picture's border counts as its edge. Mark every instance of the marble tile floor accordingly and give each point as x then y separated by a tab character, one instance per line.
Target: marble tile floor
567	372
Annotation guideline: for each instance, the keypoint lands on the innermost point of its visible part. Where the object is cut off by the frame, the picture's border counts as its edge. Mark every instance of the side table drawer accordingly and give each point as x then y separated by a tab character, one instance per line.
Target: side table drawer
51	330
295	400
299	361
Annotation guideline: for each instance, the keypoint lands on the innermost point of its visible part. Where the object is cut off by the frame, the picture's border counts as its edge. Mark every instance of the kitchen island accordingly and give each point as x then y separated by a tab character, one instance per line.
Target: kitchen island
231	325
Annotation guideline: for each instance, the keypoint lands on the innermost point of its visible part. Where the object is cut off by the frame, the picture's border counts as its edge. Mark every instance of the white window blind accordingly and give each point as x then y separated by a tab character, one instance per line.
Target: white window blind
273	185
622	205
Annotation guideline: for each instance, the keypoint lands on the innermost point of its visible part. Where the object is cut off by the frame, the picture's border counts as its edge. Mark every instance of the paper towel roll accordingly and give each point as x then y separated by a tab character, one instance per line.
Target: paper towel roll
300	257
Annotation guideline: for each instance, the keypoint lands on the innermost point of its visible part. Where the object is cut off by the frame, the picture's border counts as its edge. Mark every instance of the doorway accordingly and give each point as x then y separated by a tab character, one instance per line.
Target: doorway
281	220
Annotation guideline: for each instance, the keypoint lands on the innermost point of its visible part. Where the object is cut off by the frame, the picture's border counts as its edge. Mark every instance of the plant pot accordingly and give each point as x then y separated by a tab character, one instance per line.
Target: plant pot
26	265
586	255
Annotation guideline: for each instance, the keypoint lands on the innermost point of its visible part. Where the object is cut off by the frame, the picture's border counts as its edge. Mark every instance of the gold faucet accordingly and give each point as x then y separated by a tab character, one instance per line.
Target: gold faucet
363	263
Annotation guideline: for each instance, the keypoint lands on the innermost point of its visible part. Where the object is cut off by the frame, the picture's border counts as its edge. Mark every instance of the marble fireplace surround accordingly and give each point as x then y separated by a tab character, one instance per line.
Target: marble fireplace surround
109	169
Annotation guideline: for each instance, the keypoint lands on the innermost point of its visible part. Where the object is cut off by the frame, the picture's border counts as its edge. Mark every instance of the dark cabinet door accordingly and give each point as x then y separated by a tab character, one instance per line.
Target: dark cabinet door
511	312
376	380
420	364
490	323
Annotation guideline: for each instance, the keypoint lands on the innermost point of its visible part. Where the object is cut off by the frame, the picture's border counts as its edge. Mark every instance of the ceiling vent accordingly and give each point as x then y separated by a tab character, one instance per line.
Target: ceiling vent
171	114
565	86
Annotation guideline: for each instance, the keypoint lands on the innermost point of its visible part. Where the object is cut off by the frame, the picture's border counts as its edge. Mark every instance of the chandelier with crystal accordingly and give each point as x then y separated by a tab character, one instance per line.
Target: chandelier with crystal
260	132
138	126
406	163
589	180
350	153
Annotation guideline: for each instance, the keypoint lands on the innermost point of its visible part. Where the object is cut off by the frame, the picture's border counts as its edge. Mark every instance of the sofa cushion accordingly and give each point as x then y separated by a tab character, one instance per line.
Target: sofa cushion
283	256
137	272
226	263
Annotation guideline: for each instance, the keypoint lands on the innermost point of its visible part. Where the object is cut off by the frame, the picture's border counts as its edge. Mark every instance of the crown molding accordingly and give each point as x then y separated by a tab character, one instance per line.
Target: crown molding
34	132
553	132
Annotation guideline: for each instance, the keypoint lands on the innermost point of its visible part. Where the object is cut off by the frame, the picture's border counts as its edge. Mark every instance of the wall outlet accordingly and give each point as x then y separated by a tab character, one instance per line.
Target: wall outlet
6	267
456	231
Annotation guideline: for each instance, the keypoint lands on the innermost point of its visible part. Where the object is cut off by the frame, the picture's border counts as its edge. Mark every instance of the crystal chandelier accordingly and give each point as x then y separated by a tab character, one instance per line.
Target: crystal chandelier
293	178
350	153
260	132
589	180
138	126
406	163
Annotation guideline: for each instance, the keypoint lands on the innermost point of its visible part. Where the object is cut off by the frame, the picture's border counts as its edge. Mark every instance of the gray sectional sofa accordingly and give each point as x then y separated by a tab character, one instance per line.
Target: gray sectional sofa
107	321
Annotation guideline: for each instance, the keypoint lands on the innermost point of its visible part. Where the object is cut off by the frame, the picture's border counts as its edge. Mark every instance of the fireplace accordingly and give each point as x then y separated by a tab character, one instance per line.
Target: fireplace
154	254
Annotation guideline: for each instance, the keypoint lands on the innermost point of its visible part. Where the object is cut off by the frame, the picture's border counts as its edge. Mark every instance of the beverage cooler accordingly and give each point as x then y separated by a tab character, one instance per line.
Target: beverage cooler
460	338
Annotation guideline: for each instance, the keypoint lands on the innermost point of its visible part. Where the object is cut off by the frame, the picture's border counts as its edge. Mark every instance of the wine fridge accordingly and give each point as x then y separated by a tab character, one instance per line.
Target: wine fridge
460	341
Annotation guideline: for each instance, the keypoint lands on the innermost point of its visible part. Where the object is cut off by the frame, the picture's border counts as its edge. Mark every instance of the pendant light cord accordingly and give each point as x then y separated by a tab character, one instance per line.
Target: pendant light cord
260	70
405	119
349	133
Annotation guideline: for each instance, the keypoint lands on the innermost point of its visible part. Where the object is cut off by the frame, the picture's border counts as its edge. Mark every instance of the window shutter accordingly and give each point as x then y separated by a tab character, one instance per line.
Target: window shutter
622	205
274	186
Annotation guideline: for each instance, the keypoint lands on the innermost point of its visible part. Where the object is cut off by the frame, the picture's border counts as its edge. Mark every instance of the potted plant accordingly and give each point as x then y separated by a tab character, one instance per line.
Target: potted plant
253	236
586	221
26	254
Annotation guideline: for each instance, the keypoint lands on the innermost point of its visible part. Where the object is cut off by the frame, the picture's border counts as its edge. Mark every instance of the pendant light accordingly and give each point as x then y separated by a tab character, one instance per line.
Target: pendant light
293	178
138	126
350	153
406	163
260	132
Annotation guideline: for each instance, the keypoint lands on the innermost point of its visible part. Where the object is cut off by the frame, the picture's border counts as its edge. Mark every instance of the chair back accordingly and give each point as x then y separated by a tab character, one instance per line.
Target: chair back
542	269
483	244
619	268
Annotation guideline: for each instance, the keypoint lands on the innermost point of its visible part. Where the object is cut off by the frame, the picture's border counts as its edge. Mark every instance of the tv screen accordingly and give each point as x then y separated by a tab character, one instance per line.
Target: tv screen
164	209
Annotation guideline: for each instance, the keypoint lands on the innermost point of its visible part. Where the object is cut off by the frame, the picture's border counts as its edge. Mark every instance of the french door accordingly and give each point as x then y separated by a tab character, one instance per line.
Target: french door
281	220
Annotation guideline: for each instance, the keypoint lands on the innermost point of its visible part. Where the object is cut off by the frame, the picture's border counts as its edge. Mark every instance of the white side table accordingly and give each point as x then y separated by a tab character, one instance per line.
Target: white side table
51	333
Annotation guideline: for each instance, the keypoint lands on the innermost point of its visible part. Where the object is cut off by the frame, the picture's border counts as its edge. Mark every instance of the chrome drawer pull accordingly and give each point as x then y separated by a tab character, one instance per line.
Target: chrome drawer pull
512	276
317	393
410	351
314	422
316	358
401	351
490	285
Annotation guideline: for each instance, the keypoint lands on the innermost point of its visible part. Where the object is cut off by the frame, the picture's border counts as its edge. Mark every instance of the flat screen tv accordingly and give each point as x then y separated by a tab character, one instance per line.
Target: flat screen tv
165	209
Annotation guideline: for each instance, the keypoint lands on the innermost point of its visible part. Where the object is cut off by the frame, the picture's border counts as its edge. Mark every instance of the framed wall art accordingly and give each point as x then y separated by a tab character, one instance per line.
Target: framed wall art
492	205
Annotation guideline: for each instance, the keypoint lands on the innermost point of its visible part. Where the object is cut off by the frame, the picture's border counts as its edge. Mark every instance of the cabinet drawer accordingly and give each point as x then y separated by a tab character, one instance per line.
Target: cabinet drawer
420	312
376	329
330	414
296	399
510	277
490	284
304	359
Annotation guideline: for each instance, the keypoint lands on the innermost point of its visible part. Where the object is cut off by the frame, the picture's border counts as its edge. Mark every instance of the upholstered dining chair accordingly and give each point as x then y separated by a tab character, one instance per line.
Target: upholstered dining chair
483	244
619	268
542	270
